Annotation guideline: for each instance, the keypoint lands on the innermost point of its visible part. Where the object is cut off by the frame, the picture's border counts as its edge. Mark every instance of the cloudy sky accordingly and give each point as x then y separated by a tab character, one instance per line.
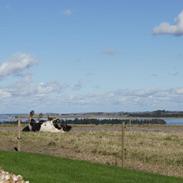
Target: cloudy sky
83	56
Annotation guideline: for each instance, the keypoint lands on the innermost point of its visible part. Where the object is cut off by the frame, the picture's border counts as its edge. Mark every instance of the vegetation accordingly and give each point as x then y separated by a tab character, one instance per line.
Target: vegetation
157	113
46	169
115	121
105	121
151	148
151	114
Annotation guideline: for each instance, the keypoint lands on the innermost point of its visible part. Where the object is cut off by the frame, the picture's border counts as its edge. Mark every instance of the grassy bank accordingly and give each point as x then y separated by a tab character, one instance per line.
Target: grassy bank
47	169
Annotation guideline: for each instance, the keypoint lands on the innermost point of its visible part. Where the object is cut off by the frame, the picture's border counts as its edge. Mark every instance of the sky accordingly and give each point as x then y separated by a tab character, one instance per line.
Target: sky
91	56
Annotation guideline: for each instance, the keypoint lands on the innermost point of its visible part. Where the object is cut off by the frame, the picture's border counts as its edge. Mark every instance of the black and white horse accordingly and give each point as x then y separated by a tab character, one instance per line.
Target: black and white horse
52	125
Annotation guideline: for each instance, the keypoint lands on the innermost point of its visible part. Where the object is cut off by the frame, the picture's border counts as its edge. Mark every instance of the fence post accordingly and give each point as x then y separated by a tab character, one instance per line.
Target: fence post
122	144
19	136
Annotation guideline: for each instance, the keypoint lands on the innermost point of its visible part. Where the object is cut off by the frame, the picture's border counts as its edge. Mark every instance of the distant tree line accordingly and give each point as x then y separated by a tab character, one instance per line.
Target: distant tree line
8	122
157	113
103	121
114	121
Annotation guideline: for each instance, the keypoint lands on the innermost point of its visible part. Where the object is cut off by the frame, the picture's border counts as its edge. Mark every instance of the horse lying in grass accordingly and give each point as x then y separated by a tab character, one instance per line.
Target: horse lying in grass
52	125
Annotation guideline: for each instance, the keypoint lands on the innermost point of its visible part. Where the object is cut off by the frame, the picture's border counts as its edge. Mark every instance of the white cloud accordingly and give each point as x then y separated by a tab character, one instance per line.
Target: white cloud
26	94
48	88
173	73
4	94
67	12
174	29
109	51
27	88
16	64
179	91
127	100
79	85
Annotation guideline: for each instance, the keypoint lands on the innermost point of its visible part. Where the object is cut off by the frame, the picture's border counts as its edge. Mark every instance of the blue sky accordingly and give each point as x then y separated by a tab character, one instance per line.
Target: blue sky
84	56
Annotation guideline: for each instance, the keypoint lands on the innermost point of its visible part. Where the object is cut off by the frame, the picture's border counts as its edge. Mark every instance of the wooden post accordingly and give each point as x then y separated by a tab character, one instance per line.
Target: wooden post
115	161
130	122
122	144
19	136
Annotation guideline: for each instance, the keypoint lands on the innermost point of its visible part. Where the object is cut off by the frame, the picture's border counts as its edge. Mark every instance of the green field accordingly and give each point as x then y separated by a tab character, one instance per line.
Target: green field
47	169
153	149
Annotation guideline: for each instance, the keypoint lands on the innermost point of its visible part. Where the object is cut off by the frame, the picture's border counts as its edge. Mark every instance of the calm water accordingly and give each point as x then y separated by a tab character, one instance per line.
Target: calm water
174	121
5	117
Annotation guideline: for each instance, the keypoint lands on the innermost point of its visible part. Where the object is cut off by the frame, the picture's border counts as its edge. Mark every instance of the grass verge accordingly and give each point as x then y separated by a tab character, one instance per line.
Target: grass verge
47	169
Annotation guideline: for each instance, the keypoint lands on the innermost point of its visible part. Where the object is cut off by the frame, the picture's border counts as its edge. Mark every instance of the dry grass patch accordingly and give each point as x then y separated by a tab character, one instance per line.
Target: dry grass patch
151	148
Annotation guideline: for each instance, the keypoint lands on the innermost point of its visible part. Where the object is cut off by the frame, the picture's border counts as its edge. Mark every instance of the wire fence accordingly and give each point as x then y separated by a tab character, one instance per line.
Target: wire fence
152	148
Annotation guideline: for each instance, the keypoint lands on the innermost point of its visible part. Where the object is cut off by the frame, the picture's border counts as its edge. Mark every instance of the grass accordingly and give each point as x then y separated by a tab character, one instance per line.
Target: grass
47	169
157	149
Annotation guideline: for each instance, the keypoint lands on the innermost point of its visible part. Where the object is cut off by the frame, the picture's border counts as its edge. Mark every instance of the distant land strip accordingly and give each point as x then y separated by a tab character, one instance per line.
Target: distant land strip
103	121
